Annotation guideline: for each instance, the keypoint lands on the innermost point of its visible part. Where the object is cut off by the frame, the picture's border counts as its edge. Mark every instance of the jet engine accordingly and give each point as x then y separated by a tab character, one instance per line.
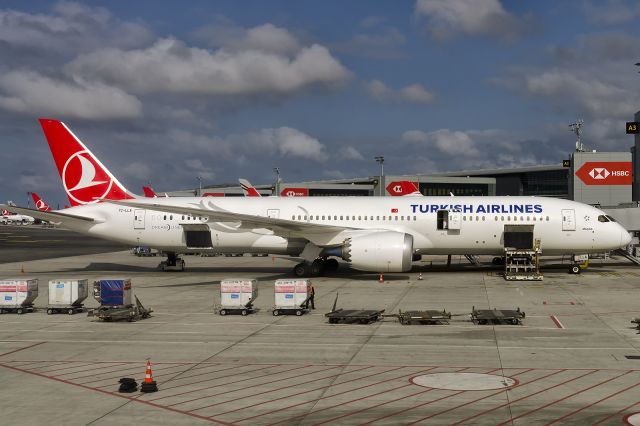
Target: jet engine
378	252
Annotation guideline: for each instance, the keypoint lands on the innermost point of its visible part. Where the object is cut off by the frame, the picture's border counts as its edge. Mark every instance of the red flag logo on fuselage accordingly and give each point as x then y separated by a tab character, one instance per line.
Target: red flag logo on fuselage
84	180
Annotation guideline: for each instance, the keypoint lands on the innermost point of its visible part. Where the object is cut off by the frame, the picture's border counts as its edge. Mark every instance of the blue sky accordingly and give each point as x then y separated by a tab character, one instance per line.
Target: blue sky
165	91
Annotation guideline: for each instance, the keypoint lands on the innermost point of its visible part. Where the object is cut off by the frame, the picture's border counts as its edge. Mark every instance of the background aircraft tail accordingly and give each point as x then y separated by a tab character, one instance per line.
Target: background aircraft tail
40	203
248	189
84	178
148	192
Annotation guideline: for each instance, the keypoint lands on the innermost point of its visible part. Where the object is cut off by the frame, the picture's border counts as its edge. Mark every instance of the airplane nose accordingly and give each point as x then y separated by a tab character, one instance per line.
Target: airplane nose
625	238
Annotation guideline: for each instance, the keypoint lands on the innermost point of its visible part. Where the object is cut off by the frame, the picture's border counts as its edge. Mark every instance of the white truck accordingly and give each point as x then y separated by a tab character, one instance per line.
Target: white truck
291	296
237	296
17	295
67	296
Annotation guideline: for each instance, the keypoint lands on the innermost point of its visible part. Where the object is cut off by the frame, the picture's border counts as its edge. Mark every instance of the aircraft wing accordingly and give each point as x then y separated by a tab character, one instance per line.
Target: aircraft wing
57	217
279	226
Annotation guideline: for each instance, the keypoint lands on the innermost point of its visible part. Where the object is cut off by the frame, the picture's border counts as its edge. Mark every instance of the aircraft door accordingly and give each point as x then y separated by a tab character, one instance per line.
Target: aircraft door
568	220
138	218
273	213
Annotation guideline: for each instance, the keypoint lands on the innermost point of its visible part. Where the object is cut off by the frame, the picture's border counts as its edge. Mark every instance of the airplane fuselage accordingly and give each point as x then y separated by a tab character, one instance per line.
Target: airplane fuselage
473	225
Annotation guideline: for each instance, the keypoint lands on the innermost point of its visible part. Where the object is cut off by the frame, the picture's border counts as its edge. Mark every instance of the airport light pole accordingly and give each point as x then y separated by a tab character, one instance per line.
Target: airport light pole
199	186
277	186
380	160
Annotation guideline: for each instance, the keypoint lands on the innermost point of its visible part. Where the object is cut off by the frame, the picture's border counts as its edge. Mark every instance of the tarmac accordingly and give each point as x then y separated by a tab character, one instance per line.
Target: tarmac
574	360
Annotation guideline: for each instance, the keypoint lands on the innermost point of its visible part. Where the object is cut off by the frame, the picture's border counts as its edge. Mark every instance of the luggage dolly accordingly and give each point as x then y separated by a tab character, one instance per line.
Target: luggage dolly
429	317
115	313
352	316
636	321
17	309
299	311
65	309
496	316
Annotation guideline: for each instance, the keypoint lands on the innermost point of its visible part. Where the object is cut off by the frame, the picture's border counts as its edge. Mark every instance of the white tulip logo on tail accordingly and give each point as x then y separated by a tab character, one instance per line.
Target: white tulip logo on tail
84	180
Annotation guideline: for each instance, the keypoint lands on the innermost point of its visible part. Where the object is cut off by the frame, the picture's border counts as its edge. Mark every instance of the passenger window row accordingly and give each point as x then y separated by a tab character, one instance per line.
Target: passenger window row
347	218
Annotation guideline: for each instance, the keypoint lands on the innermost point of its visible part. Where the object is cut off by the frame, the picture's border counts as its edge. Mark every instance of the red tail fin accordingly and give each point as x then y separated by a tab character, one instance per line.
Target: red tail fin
84	177
148	192
403	187
248	189
40	203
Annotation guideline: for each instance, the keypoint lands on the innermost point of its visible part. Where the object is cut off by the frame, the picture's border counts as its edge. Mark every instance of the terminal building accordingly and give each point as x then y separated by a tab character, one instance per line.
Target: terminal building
610	180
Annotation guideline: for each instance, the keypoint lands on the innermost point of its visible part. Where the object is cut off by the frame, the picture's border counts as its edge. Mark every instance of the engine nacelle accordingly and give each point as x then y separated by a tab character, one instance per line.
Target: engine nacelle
379	252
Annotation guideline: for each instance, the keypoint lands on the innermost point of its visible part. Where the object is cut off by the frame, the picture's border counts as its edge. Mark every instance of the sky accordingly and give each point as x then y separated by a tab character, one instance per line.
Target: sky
164	92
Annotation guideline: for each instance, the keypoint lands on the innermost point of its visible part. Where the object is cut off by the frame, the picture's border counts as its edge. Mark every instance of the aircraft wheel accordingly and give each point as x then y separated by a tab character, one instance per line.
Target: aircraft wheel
317	268
331	265
301	270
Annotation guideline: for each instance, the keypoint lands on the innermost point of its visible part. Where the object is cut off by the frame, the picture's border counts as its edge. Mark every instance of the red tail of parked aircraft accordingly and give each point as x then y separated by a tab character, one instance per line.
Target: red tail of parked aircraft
84	178
40	203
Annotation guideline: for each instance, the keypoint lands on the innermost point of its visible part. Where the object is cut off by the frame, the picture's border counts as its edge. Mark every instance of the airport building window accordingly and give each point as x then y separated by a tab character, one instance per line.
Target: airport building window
396	218
547	218
433	188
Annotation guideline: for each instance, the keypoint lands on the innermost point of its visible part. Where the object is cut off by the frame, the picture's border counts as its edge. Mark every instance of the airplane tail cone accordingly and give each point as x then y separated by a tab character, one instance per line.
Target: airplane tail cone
149	385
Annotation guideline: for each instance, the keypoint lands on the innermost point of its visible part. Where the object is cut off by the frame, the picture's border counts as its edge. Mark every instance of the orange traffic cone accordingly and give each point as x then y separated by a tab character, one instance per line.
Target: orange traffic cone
381	278
149	385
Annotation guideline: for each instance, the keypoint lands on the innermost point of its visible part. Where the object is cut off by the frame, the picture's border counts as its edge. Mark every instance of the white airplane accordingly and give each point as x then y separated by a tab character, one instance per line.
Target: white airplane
377	234
12	217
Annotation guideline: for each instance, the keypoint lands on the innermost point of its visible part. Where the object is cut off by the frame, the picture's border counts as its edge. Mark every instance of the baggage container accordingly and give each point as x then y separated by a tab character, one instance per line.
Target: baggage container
290	295
67	296
237	295
17	295
68	292
113	292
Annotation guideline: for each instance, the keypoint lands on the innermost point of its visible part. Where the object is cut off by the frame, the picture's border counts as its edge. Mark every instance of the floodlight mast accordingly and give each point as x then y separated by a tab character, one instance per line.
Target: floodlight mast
577	129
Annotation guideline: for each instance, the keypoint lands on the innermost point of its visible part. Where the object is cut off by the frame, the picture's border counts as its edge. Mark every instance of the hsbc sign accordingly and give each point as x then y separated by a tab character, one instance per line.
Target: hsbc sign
606	173
294	192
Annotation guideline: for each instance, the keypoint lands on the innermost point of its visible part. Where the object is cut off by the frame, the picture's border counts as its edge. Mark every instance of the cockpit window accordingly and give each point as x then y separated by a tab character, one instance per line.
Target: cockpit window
610	218
603	218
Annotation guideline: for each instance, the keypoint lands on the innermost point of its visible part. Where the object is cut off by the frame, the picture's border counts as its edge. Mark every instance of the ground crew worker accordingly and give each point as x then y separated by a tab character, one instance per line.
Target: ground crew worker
312	293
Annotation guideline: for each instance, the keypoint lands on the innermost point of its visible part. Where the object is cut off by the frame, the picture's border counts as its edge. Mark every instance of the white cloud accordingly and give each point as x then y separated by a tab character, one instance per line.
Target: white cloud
445	140
264	38
171	66
611	12
414	93
350	153
448	18
586	92
72	27
286	142
374	38
33	93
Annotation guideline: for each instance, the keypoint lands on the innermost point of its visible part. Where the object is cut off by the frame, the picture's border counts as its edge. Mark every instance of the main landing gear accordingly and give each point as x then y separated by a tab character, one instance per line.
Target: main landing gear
316	268
574	269
173	263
